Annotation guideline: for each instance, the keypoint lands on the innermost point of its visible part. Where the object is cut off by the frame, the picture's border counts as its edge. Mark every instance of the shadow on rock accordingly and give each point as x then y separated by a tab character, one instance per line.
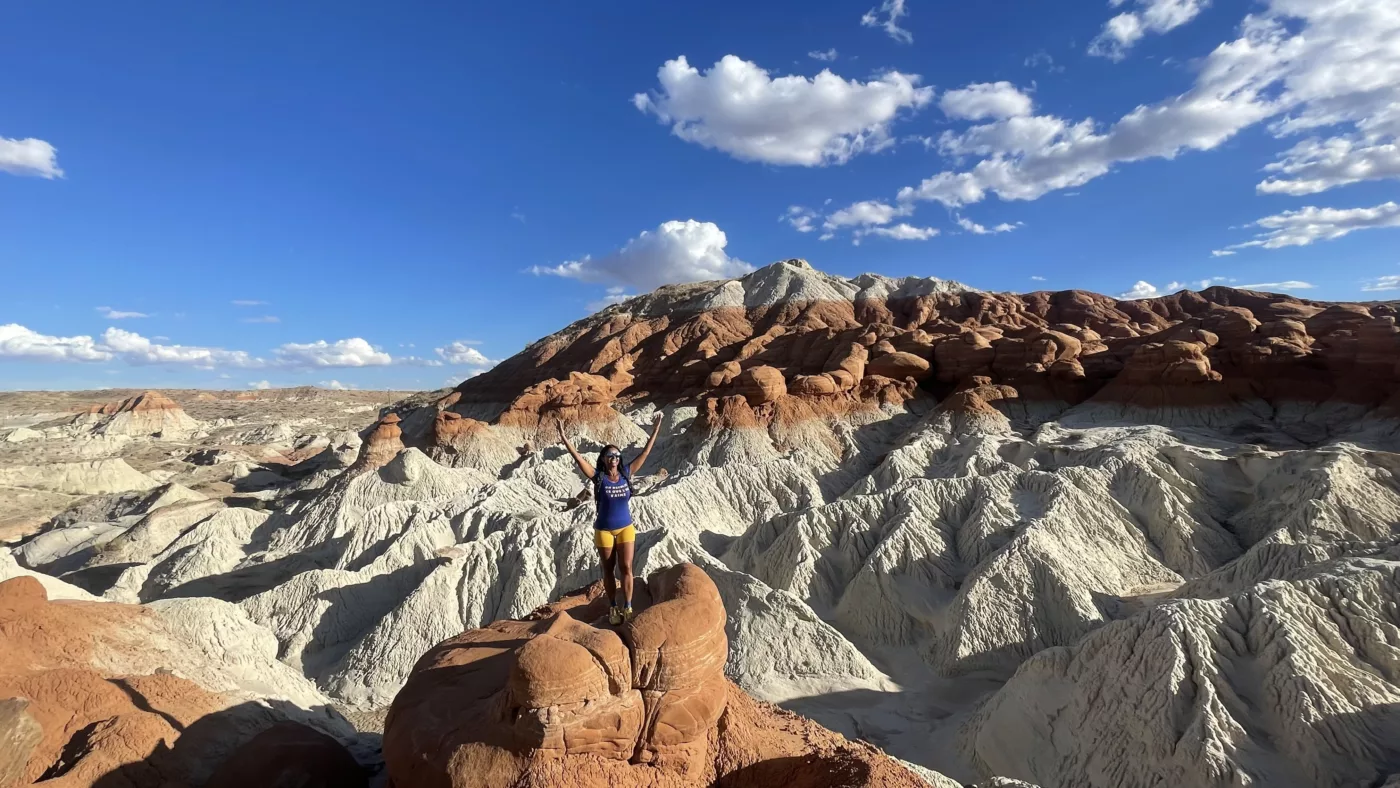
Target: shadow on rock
233	748
801	771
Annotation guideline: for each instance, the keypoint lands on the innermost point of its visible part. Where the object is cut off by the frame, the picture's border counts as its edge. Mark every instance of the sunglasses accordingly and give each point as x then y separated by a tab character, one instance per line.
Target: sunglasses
611	456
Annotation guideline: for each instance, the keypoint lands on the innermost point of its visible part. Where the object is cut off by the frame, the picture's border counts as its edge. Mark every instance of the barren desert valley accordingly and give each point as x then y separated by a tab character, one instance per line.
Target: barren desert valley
897	532
783	394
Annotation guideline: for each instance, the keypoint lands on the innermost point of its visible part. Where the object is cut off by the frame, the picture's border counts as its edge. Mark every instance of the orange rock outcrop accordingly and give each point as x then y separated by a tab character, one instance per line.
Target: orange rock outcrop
563	700
384	443
1190	349
81	724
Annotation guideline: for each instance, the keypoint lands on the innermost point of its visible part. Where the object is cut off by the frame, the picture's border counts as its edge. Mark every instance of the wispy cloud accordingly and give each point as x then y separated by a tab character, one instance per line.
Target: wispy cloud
1311	224
1281	287
891	11
827	56
616	295
897	232
1042	59
1382	284
262	319
977	229
118	314
247	302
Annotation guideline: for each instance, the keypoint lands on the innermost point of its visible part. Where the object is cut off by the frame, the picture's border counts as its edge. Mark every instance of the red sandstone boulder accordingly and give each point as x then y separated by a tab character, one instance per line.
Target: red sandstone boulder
898	365
561	699
761	384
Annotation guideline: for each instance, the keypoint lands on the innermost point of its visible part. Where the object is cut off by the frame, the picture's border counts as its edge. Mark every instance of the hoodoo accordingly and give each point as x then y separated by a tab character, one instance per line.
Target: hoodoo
562	699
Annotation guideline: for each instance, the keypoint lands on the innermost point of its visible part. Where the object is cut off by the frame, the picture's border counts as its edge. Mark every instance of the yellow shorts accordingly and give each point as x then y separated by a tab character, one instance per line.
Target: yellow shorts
606	539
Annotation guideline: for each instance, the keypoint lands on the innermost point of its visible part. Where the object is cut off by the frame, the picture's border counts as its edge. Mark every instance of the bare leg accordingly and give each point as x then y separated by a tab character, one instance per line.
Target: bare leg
609	582
624	568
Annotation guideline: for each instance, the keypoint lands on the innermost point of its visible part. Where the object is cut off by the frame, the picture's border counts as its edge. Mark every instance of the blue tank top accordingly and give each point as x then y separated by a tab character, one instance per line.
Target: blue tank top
612	498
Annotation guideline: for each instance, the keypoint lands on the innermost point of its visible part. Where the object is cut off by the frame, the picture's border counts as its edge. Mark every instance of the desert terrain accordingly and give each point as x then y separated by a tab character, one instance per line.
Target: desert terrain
896	532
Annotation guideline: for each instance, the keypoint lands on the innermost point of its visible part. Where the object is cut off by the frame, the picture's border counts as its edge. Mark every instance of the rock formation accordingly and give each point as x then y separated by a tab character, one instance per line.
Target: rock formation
88	697
789	330
382	445
561	699
151	414
78	478
1057	538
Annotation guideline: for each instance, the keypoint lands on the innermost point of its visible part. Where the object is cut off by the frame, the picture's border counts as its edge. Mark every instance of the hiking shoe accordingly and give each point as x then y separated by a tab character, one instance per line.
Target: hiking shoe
627	614
614	615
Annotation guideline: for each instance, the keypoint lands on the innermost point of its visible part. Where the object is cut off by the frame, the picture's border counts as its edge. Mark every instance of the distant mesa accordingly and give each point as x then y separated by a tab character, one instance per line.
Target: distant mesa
148	415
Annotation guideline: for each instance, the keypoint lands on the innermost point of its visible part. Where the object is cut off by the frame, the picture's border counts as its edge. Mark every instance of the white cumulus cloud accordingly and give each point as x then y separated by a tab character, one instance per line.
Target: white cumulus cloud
18	342
353	352
996	100
139	351
1315	165
29	157
1141	290
1120	33
335	385
688	251
129	347
863	213
460	352
260	385
1305	65
887	17
737	108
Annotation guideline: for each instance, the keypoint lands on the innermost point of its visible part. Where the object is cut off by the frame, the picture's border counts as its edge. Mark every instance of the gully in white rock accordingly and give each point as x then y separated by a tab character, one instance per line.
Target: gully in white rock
613	530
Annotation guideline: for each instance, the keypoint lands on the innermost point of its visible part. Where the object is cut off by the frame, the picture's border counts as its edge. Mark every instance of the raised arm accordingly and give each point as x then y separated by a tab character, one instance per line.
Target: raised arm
636	465
583	465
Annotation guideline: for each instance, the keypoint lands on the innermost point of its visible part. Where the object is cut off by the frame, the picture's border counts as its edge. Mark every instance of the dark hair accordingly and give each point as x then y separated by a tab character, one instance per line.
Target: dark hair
599	465
621	470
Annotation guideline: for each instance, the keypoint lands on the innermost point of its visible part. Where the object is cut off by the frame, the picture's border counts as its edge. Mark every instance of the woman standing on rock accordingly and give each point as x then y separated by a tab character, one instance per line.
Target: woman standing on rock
613	532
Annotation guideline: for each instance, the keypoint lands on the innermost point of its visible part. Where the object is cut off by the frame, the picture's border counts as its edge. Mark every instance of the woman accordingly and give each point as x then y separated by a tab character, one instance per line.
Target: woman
613	532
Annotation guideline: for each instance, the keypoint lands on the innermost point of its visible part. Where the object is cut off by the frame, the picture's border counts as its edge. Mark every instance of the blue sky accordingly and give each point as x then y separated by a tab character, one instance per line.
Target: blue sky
399	195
